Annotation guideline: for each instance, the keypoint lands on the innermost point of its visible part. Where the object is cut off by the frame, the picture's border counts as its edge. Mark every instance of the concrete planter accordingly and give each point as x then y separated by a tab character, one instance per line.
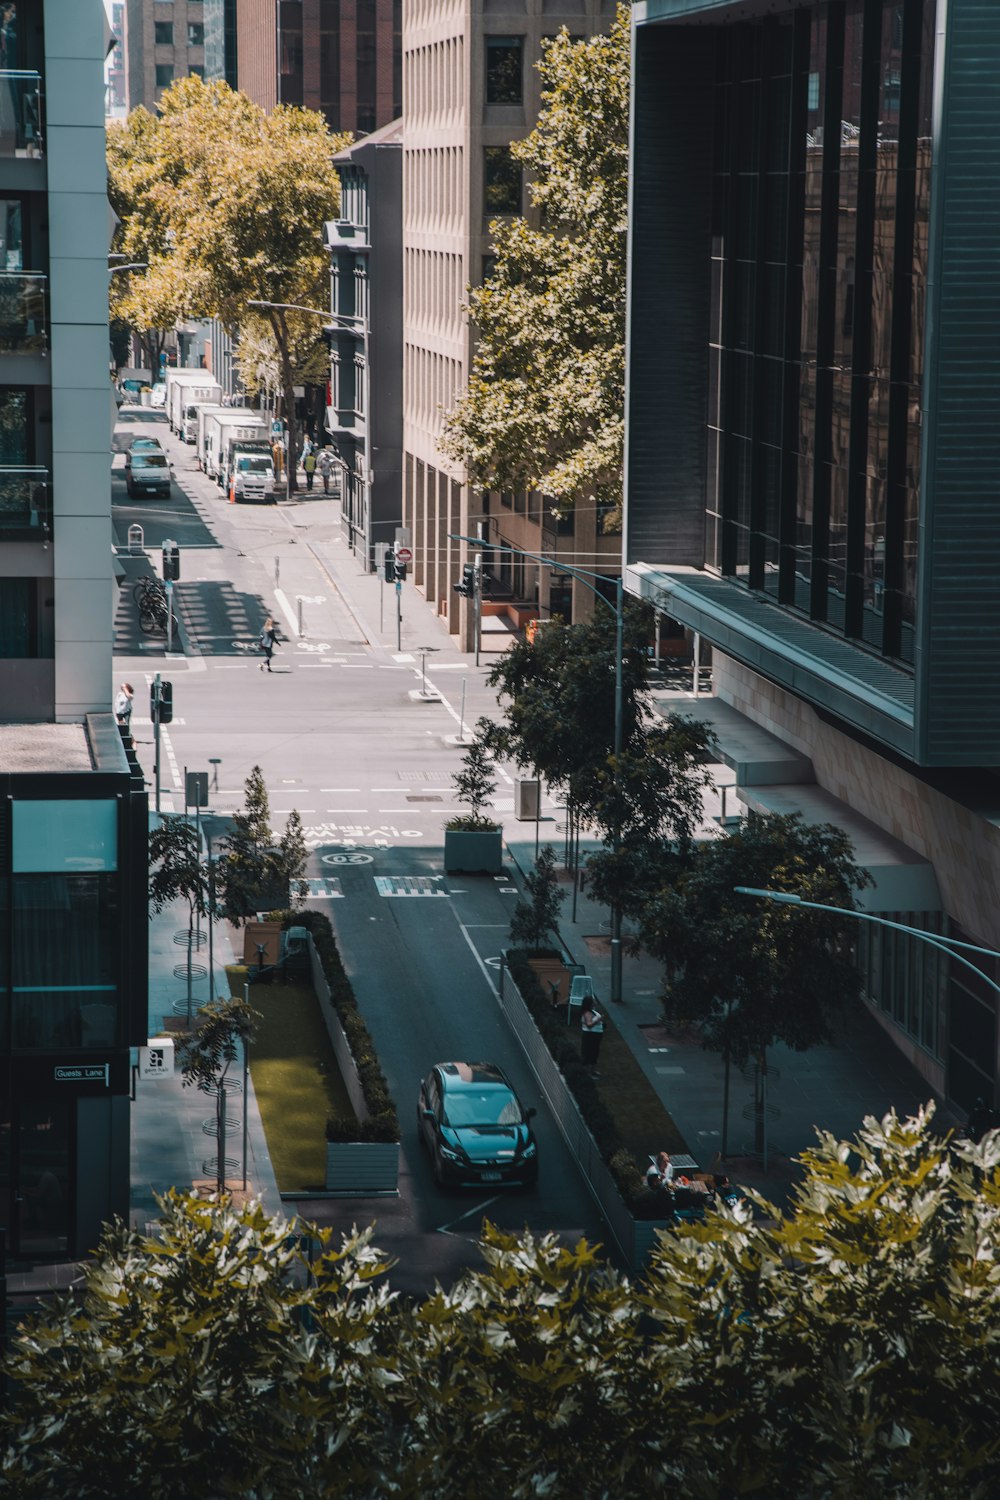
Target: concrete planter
362	1169
474	851
636	1238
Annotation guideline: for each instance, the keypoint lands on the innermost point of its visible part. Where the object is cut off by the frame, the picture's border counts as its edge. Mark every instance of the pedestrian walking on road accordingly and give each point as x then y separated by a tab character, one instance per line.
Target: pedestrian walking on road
309	464
325	465
592	1023
123	706
268	641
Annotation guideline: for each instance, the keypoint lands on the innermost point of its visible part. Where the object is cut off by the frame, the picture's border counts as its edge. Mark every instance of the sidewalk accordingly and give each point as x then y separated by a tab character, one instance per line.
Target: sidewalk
830	1088
169	1145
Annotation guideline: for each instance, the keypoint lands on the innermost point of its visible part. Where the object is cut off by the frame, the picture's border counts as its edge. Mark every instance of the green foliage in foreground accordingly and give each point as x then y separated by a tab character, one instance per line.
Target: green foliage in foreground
847	1348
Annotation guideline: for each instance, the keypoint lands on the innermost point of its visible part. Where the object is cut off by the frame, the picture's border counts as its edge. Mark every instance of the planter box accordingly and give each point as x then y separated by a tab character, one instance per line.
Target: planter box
475	852
635	1237
362	1169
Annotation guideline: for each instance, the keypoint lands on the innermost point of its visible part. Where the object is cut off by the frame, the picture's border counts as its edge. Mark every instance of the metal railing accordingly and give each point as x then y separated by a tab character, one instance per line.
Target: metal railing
25	501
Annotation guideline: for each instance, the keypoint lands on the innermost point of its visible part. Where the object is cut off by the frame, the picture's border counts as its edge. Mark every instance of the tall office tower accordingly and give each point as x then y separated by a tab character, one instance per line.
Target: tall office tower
220	41
470	89
813	447
164	40
73	808
341	57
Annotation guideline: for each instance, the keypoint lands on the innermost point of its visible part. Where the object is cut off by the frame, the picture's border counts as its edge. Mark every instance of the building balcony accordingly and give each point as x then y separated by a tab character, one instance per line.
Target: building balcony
23	312
25	504
20	114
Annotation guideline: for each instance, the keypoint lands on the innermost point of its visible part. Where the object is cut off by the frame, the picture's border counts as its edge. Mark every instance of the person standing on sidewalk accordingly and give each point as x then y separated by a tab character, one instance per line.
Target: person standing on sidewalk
123	706
325	465
592	1023
268	641
309	464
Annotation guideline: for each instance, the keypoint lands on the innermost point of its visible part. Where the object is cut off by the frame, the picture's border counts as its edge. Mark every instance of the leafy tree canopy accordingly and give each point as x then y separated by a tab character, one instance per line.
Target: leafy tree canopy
847	1346
754	972
224	202
544	408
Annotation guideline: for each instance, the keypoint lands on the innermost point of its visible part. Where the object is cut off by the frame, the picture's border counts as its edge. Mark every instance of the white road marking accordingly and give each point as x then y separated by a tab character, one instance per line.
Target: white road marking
478	1209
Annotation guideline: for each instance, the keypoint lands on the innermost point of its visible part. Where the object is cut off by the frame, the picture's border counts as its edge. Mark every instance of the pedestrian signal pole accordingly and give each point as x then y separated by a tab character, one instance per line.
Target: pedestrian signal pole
154	713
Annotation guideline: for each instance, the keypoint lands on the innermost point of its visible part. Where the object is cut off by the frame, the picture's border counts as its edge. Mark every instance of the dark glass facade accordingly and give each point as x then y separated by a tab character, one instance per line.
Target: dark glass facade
821	186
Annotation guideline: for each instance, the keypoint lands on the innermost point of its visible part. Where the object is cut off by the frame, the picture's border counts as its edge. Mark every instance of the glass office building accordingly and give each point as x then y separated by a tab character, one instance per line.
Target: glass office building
813	437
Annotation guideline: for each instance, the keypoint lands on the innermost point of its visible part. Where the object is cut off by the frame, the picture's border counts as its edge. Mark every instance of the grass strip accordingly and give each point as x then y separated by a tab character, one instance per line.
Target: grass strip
297	1082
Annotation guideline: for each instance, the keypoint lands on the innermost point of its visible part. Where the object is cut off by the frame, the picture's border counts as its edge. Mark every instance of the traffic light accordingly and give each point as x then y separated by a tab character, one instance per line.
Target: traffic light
171	562
399	572
390	566
162	706
467	587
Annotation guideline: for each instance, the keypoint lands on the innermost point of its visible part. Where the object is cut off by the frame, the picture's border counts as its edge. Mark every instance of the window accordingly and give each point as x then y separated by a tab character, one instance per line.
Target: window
164	33
504	70
196	70
502	180
196	34
164	75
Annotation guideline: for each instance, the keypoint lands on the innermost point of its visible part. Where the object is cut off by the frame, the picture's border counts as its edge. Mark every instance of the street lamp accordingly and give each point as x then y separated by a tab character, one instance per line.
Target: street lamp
937	940
135	265
584	575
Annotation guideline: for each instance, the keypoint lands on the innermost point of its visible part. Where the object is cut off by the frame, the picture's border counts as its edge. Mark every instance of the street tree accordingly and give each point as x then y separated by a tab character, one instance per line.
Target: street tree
544	408
253	873
239	197
535	919
475	783
846	1345
222	1028
177	873
752	973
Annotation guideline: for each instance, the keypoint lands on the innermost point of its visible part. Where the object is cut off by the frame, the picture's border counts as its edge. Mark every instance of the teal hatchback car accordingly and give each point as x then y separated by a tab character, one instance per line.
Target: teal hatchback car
472	1123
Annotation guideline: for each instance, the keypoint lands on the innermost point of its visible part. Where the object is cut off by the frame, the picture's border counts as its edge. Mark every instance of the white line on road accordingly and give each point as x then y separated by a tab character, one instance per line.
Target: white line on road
478	1209
346	809
288	612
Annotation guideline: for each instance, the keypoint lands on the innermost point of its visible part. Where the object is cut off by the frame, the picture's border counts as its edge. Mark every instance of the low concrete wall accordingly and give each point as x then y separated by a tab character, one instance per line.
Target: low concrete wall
635	1237
354	1169
362	1169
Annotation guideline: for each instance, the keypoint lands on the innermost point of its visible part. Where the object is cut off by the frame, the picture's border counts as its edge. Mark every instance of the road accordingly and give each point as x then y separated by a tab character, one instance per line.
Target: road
343	732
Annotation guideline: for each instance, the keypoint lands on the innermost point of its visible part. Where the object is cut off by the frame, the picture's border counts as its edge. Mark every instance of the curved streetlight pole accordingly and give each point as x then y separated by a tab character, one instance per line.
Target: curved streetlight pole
936	940
584	575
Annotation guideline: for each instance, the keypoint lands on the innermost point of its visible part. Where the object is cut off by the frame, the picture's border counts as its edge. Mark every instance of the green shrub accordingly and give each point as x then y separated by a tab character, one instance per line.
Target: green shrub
383	1121
628	1176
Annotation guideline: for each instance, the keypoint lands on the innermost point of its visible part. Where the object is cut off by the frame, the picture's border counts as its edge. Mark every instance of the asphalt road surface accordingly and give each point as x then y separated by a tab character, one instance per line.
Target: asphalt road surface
342	734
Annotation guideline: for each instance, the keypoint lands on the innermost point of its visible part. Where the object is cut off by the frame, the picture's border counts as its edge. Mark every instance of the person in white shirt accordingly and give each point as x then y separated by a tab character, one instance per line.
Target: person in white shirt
123	705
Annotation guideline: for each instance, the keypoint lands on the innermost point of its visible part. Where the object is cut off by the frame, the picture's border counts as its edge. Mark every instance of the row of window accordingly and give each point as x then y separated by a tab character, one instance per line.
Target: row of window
163	33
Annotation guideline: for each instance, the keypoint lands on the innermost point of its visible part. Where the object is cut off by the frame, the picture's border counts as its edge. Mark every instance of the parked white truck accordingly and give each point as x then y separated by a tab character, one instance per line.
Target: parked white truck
205	415
192	397
237	444
252	473
179	384
221	427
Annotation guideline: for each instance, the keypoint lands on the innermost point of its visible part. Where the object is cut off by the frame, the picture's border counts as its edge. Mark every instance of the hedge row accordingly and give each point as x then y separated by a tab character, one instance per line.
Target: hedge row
629	1178
383	1122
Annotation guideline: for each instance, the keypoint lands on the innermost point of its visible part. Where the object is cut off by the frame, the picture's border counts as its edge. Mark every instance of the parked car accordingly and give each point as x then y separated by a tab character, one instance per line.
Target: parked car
471	1121
147	472
158	395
